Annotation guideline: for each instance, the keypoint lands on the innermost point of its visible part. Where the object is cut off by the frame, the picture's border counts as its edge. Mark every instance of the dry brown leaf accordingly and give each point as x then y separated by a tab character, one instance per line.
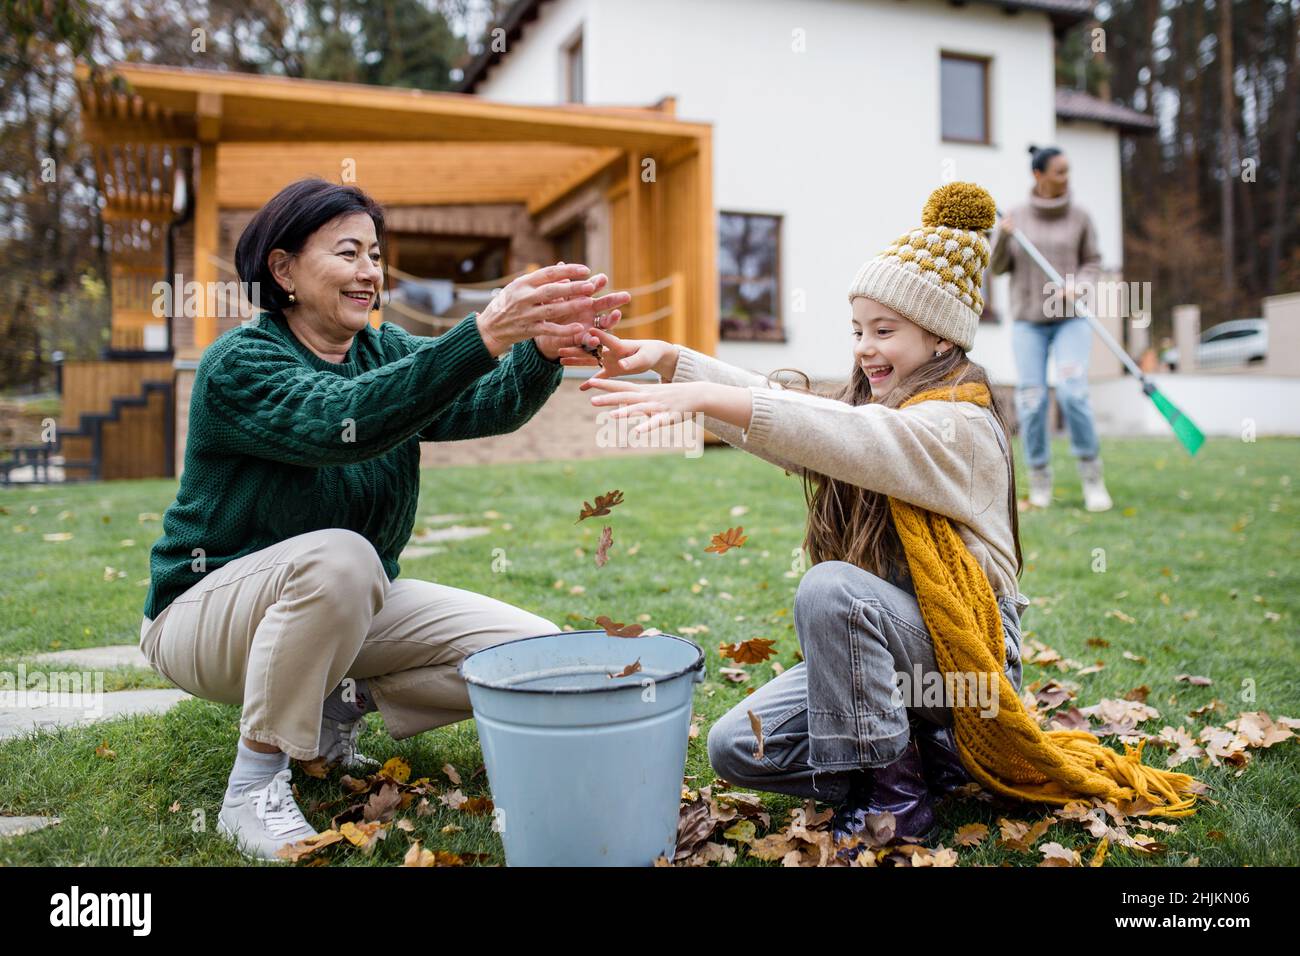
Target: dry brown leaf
603	504
616	629
294	852
724	542
753	651
602	549
628	671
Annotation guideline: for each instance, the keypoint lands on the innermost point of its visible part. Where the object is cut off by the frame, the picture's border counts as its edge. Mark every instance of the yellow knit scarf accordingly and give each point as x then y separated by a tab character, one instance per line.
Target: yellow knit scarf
1010	754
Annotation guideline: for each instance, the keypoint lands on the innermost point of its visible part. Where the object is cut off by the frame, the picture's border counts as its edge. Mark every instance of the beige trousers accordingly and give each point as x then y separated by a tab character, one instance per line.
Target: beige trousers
278	629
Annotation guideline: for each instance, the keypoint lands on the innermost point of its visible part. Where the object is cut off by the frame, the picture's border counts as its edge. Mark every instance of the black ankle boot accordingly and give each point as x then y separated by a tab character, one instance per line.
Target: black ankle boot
941	763
898	788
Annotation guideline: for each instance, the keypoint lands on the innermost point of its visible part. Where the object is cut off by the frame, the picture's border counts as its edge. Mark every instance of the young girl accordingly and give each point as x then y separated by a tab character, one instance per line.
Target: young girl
835	726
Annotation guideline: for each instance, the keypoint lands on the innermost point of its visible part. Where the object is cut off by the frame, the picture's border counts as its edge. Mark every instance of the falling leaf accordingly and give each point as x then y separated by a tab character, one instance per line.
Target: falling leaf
753	651
603	504
616	629
629	670
724	542
756	724
602	549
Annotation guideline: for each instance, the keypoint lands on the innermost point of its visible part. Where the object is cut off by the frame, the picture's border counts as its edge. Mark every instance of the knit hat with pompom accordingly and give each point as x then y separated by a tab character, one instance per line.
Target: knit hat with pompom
932	275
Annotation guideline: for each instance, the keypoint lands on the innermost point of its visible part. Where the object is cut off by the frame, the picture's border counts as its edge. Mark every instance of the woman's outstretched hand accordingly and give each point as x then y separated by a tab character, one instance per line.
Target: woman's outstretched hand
623	356
554	304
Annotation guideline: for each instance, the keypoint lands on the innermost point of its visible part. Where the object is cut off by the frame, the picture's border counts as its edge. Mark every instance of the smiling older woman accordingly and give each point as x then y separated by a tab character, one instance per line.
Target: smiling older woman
275	583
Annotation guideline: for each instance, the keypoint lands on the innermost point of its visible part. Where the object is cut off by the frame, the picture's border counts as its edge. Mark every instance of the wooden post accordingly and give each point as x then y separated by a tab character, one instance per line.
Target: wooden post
206	222
677	310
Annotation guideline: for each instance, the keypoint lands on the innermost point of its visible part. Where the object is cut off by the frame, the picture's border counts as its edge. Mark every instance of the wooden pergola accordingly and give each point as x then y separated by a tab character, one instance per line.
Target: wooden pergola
250	135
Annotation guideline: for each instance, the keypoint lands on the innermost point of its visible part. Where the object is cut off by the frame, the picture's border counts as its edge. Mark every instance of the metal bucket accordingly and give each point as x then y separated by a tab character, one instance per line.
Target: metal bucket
585	768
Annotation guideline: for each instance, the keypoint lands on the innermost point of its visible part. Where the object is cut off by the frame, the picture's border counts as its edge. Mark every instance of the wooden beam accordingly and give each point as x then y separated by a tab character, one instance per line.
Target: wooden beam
572	179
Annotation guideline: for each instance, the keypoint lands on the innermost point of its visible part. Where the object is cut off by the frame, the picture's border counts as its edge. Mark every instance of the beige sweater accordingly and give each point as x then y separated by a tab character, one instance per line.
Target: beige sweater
1064	234
943	456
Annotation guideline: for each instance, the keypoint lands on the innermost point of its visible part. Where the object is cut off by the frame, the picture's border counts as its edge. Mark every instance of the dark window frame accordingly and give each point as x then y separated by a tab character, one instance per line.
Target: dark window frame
987	63
778	305
572	47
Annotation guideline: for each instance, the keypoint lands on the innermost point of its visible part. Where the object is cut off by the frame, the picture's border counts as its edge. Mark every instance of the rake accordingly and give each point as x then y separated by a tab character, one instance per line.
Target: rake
1185	429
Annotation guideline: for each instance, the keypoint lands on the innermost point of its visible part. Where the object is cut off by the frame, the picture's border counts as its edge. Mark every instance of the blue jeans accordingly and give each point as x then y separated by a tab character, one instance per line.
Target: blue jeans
839	709
1072	339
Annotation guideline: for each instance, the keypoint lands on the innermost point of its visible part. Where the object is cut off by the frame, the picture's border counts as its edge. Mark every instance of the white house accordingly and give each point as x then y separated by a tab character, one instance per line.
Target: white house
833	120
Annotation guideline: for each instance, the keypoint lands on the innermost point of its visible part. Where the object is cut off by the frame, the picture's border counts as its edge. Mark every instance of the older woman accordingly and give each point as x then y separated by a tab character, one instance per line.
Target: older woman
1045	320
275	582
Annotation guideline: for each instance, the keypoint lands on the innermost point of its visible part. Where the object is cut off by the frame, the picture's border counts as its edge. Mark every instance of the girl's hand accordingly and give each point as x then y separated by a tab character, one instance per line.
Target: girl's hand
663	404
623	356
555	302
553	346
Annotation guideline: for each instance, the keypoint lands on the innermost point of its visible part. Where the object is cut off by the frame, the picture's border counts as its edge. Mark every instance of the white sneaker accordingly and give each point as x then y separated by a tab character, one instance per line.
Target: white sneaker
1095	495
338	744
264	819
1040	487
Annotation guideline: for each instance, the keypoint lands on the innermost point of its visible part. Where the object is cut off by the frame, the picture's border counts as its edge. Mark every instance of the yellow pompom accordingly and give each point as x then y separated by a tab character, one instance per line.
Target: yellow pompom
961	206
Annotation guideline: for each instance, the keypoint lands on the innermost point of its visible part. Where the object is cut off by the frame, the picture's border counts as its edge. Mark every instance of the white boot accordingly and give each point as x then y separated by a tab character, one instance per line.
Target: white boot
1095	496
1040	486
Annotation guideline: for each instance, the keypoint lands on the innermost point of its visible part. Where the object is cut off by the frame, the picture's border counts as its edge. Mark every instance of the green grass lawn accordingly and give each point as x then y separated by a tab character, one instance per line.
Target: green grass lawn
1214	535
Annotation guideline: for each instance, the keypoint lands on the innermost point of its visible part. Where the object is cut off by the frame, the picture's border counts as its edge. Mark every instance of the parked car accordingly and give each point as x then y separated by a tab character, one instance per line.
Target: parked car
1239	342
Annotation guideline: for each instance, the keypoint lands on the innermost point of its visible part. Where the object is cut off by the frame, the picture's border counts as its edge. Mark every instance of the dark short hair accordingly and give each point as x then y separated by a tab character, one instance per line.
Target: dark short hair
1042	156
286	222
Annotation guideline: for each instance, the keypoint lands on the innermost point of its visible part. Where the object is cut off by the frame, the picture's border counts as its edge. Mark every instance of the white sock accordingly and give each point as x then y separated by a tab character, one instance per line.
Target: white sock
336	708
253	769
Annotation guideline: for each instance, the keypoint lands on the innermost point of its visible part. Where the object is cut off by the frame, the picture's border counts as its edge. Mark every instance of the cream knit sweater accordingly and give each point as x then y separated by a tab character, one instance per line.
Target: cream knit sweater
943	456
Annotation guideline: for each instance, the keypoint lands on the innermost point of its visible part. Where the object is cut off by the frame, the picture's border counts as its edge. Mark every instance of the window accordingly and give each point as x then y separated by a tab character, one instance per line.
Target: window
571	242
964	98
573	70
749	269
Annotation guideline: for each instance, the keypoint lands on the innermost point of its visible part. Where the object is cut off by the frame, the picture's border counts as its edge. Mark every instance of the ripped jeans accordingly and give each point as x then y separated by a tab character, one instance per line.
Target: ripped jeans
838	710
1071	340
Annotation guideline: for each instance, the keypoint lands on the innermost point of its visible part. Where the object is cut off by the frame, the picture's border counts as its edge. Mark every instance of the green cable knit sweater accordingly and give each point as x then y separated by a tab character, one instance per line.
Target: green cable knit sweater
282	442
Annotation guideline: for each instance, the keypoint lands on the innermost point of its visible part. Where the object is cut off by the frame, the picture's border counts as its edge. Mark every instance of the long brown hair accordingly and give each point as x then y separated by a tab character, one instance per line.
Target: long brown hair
847	522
